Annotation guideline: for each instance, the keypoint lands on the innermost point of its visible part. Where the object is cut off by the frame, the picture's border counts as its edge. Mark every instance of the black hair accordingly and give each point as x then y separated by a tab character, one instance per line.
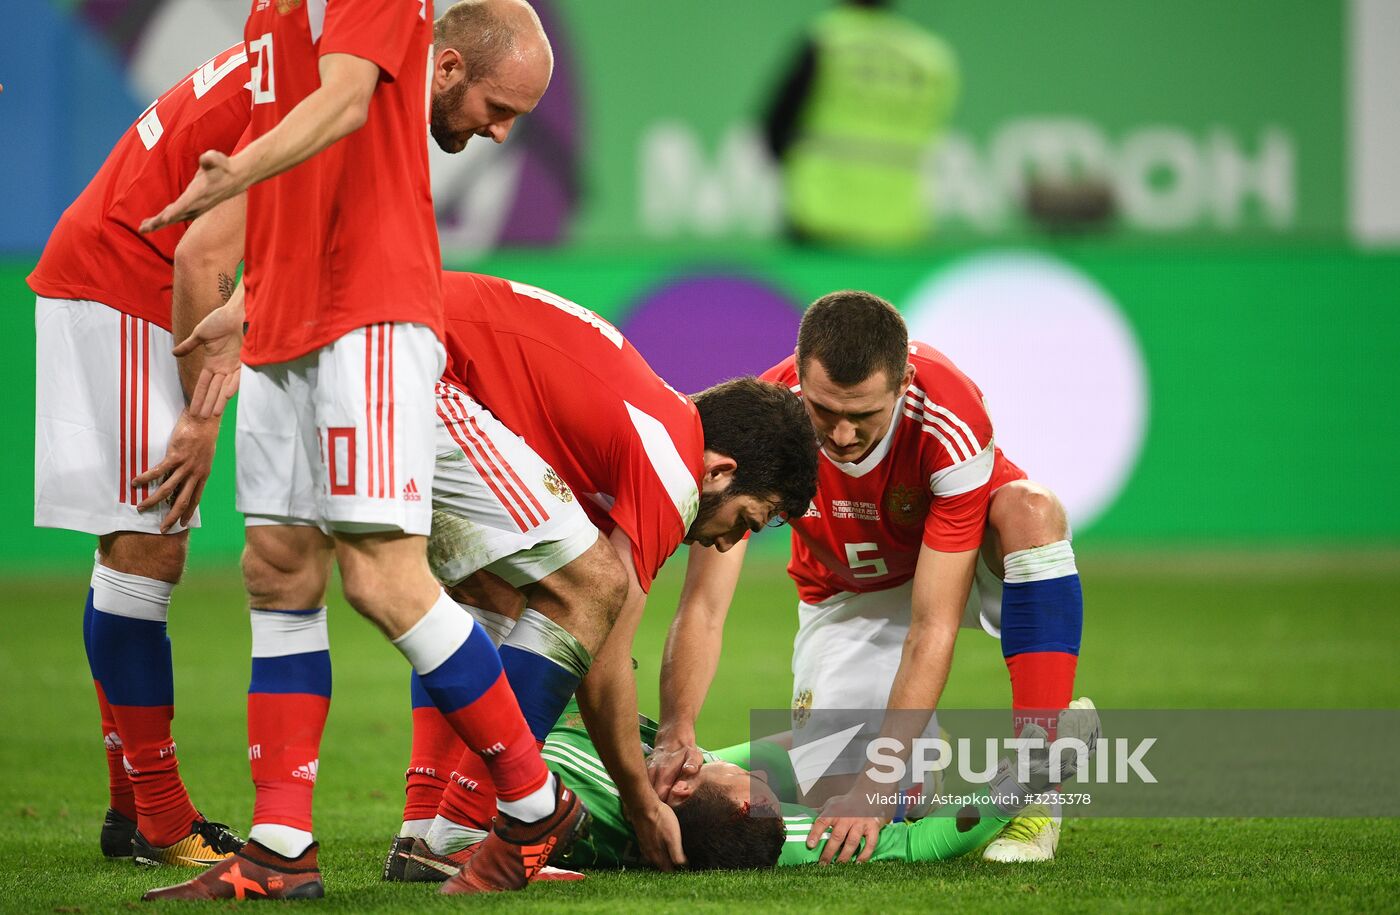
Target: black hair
765	429
719	834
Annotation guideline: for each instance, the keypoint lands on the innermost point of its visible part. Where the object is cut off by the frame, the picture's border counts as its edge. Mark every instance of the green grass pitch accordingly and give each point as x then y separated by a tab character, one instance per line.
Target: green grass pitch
1161	631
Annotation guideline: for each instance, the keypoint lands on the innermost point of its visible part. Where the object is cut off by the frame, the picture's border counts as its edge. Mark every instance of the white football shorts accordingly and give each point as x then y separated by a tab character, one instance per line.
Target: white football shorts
106	399
342	438
848	647
496	504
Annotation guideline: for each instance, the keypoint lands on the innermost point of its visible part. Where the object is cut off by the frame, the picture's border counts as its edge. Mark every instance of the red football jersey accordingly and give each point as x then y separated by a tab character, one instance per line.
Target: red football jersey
559	376
928	481
346	238
95	251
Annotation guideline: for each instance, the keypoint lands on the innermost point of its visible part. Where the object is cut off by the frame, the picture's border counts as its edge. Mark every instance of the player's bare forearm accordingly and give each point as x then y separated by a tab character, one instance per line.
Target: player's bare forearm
696	636
338	108
206	265
942	582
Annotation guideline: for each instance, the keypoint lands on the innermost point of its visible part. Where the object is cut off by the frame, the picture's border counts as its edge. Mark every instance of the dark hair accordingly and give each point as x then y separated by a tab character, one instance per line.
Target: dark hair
765	429
853	335
719	834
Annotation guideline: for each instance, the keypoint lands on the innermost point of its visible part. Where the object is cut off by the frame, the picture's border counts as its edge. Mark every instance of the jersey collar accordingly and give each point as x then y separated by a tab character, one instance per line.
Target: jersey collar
877	454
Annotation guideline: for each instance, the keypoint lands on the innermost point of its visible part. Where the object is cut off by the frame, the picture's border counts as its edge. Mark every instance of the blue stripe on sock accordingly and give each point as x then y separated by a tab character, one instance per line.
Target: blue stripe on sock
541	687
419	695
308	673
131	659
466	675
1042	616
88	611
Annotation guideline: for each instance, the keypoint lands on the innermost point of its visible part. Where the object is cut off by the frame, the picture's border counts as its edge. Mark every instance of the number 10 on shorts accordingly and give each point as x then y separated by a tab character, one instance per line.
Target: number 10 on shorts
340	460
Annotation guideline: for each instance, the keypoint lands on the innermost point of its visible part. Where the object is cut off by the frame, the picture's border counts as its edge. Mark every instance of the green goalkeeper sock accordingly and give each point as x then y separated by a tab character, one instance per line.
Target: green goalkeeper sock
940	837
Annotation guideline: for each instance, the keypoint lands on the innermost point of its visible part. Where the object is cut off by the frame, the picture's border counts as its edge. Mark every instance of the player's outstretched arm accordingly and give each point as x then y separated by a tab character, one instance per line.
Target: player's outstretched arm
336	109
206	262
607	697
690	659
942	582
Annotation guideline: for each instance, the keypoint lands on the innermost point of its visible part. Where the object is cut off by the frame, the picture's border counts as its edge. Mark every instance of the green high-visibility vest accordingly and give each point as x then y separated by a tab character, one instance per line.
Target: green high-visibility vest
882	90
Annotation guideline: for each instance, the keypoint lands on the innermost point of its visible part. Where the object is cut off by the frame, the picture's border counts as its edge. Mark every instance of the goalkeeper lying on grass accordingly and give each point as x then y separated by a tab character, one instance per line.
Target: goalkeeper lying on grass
731	818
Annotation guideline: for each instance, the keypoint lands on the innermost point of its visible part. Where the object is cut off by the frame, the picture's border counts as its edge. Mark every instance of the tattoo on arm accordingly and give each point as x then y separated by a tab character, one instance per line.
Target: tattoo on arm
226	286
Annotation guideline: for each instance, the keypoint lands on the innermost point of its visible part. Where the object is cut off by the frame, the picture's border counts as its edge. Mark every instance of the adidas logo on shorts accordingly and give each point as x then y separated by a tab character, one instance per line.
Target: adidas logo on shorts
410	492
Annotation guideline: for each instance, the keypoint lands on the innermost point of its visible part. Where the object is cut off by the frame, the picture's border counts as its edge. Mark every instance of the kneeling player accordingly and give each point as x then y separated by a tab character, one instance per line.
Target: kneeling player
607	446
920	525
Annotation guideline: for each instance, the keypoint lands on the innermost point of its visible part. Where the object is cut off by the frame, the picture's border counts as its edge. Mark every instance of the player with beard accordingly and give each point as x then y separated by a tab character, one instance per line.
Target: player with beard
344	348
604	445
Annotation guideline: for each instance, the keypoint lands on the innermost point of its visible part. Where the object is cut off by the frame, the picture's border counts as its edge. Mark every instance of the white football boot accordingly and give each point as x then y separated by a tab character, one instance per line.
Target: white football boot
1034	835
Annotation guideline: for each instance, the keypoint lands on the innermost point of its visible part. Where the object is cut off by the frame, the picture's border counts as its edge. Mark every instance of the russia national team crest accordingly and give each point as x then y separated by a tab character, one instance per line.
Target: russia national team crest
286	6
906	504
802	708
557	487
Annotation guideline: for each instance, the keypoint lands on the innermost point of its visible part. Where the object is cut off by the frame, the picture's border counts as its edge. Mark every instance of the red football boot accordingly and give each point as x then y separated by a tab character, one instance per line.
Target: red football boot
255	872
514	853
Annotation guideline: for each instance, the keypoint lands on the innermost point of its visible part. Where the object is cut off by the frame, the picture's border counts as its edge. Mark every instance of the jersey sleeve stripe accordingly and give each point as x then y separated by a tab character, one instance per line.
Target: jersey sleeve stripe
666	461
965	476
953	418
955	451
964	452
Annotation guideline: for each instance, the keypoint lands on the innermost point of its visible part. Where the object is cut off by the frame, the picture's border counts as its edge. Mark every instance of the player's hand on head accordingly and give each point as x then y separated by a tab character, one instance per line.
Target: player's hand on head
658	836
215	182
670	762
183	472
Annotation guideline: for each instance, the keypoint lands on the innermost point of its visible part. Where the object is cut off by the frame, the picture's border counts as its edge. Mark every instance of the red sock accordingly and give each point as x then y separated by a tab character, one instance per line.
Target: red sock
493	727
284	743
122	795
163	808
470	798
1042	685
436	749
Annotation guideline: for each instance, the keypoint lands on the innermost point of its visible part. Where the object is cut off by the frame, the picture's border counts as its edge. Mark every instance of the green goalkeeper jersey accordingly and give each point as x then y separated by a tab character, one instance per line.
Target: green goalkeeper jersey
570	754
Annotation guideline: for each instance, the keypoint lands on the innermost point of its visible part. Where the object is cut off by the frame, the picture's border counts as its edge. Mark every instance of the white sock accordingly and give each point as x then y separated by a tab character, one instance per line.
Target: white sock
437	636
418	829
286	841
445	837
534	806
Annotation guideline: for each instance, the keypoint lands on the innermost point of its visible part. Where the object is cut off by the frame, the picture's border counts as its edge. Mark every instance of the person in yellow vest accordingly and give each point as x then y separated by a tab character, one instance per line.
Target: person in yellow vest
869	94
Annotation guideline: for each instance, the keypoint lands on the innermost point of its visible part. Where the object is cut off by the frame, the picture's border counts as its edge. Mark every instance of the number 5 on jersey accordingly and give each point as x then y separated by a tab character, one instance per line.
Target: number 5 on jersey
865	567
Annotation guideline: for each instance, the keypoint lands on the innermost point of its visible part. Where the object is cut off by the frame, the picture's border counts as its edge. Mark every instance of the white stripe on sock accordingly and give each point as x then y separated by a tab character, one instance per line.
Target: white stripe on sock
133	596
278	633
1041	563
437	636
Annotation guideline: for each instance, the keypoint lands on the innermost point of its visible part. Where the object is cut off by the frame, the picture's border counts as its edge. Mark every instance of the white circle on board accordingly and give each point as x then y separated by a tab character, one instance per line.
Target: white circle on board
1062	372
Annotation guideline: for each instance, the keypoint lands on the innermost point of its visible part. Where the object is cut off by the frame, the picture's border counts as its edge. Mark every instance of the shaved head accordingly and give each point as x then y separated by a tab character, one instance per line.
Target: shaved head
487	33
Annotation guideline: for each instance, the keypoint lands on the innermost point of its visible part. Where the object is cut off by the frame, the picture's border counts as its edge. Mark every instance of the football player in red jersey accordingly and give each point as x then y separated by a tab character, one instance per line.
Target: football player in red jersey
335	428
920	525
611	470
112	421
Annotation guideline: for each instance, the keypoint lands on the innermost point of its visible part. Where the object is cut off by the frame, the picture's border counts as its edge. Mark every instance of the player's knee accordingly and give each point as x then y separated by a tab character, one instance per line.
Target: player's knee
280	575
1028	515
595	583
157	556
